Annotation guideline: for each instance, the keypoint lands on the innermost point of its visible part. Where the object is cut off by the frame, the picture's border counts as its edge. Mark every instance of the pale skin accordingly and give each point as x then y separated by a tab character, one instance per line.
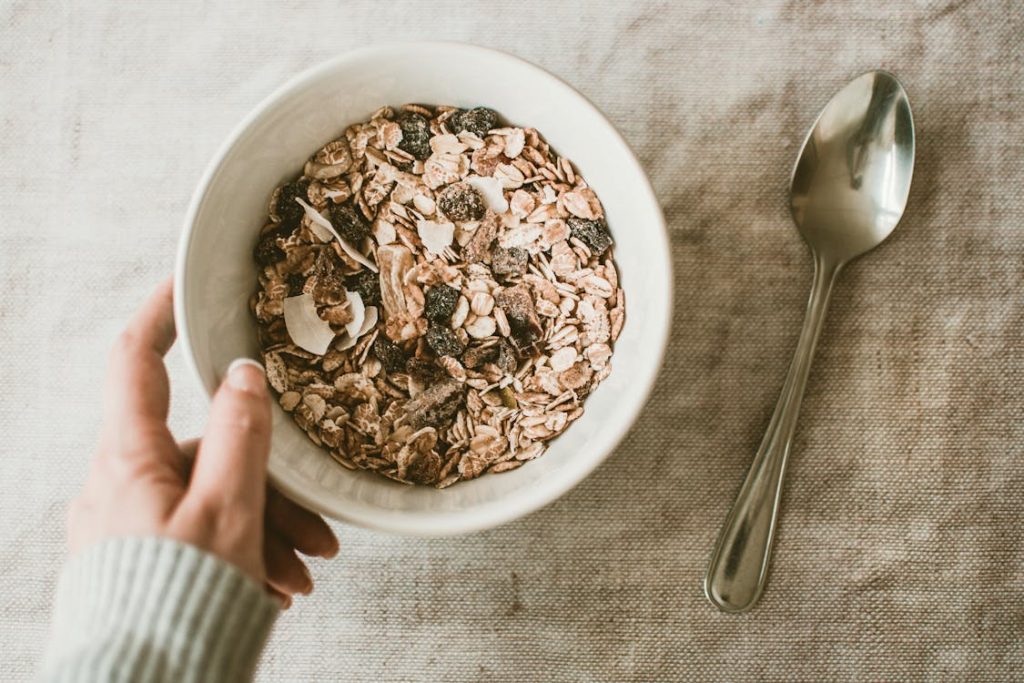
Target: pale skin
215	497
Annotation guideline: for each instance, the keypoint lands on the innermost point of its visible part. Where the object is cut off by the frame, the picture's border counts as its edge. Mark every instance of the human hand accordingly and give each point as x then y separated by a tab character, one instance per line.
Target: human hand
142	482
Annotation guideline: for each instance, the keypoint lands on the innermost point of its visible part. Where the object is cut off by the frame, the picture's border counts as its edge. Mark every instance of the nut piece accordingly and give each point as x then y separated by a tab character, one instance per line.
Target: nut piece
479	247
511	261
436	406
517	304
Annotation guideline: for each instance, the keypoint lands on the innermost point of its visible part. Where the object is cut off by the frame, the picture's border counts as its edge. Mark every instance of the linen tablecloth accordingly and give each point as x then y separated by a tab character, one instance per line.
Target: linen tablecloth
899	555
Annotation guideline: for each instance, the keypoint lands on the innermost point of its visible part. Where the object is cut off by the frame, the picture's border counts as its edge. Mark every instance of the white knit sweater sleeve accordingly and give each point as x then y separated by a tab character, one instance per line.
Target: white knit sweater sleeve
154	610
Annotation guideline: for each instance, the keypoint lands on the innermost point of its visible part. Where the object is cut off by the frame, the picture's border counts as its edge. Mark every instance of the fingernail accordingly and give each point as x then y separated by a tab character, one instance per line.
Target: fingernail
245	374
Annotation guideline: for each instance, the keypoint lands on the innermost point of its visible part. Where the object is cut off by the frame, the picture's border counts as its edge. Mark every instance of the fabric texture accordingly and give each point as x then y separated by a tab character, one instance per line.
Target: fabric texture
153	610
900	553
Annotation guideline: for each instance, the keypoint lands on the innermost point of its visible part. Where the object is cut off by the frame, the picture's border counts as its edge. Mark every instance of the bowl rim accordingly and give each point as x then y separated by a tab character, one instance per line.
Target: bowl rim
524	501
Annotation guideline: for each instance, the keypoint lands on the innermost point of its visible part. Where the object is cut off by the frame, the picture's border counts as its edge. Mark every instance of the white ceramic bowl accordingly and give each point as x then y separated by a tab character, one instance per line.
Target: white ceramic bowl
215	273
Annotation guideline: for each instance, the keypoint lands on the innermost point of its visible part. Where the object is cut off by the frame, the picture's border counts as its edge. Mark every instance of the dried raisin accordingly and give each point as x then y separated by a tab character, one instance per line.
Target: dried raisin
443	341
415	134
478	121
461	202
424	371
440	301
367	284
390	355
288	210
266	251
349	223
594	234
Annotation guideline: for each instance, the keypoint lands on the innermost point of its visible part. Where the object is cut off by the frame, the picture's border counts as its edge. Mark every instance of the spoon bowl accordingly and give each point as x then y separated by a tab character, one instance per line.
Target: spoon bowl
849	190
852	178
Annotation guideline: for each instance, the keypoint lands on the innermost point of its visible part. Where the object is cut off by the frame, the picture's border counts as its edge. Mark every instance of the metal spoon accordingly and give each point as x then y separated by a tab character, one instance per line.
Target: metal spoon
848	192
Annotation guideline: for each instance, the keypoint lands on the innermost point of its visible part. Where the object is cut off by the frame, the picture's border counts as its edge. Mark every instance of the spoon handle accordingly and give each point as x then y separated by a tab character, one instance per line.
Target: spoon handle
739	564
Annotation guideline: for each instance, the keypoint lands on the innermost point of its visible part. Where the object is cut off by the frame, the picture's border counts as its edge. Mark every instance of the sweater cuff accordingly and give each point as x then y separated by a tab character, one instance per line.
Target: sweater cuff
154	609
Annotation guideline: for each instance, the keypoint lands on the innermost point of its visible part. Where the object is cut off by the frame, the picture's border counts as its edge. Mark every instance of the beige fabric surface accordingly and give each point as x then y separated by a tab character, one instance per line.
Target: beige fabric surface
899	555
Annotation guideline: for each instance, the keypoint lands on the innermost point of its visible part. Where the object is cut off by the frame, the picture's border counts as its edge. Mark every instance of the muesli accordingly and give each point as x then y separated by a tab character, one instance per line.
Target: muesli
437	295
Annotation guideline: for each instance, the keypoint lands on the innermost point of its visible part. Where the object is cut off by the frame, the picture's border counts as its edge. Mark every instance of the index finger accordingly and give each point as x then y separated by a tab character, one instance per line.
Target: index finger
138	391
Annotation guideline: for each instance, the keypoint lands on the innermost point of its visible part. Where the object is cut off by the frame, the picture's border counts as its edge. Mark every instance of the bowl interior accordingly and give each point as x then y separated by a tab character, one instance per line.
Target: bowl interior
216	274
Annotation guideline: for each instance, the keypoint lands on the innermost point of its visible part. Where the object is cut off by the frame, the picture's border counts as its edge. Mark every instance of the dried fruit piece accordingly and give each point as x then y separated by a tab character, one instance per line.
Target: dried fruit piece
436	406
594	234
517	305
440	301
349	223
287	209
325	231
475	356
506	359
479	246
367	284
296	283
442	341
266	252
478	121
424	371
415	134
461	202
328	284
390	355
509	261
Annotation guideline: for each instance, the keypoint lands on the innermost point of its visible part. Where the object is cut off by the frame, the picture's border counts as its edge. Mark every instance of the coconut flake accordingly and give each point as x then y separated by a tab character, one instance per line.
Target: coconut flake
435	236
307	329
369	320
347	341
357	255
319	220
320	226
490	188
355	304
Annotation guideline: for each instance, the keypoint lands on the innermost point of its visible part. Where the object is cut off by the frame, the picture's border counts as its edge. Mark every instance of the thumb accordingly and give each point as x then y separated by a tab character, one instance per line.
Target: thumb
230	470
